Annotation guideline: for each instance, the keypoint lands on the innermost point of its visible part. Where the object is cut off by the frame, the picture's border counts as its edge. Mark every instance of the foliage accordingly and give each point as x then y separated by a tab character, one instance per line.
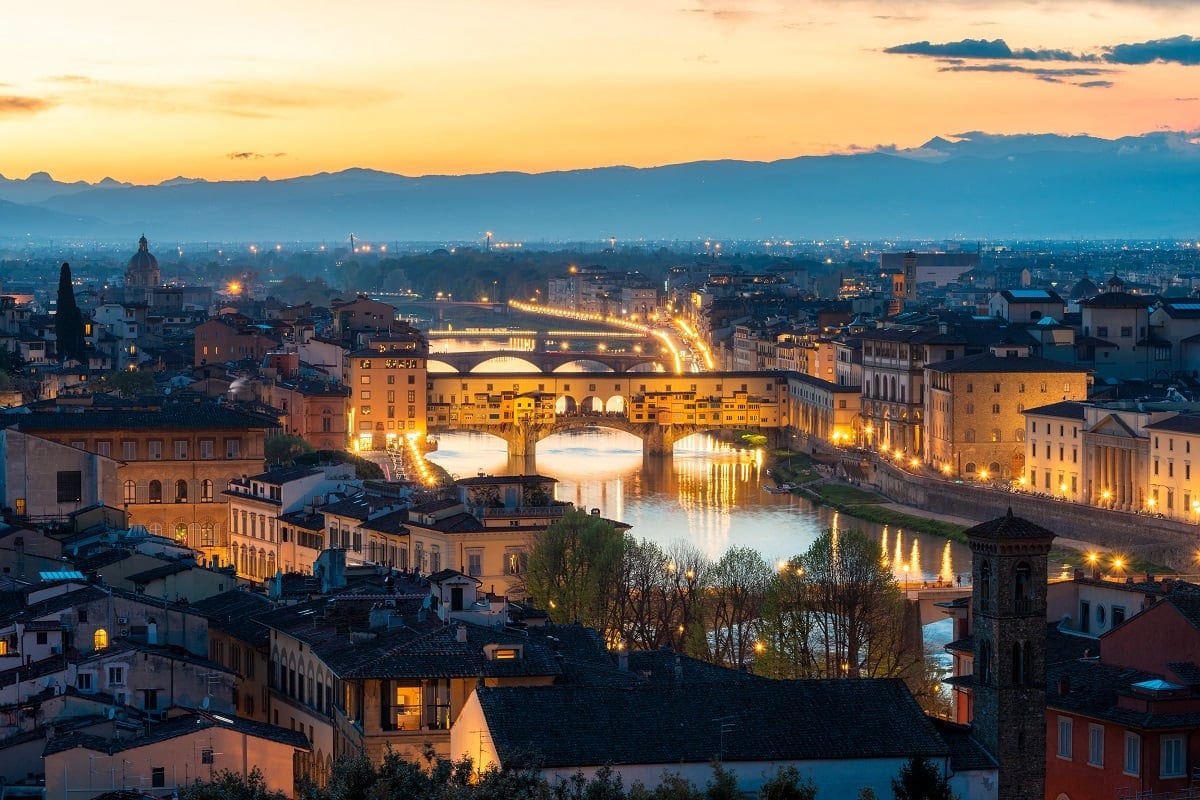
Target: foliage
126	383
573	569
658	597
723	785
787	784
68	320
285	449
11	362
228	785
838	493
920	779
739	582
836	611
363	469
867	793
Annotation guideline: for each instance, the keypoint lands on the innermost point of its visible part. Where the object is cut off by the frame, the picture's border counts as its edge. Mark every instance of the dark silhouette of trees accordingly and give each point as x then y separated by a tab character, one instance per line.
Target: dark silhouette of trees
920	779
68	320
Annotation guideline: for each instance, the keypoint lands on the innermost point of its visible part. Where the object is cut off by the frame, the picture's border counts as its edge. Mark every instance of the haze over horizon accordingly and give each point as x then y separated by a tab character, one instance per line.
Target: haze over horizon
261	88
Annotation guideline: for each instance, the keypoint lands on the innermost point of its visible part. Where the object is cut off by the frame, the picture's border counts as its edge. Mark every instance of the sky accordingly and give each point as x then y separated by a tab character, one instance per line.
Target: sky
144	91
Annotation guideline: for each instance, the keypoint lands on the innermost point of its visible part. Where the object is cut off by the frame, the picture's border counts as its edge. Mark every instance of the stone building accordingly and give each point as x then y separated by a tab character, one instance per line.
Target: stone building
142	274
974	410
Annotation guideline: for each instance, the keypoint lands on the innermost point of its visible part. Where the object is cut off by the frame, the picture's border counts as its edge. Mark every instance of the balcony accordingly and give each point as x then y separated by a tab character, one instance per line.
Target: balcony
537	512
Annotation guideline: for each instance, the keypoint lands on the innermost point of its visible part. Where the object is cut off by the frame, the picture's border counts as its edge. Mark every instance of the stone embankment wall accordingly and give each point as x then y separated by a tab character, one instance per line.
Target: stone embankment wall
1161	541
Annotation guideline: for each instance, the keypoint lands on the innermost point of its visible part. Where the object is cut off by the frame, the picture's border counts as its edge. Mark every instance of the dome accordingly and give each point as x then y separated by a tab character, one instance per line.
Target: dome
142	260
1084	289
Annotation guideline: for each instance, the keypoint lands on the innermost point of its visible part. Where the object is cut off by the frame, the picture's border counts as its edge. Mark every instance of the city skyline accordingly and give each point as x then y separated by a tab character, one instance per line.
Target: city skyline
239	91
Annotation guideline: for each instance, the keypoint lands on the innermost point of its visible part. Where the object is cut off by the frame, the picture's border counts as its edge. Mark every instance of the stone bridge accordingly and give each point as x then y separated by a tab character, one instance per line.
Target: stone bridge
553	361
522	436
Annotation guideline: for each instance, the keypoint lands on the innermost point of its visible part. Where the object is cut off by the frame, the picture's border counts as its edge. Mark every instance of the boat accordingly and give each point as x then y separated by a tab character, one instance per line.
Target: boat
775	489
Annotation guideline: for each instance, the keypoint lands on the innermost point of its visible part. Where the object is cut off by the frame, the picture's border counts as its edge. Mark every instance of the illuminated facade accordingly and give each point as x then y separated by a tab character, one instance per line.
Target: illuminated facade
387	391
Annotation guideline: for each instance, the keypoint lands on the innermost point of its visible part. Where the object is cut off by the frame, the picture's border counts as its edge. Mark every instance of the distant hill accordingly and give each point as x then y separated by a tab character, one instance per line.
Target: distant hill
969	185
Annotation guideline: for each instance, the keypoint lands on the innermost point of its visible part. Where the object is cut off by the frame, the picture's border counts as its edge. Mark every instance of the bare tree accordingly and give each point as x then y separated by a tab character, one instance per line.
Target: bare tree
738	587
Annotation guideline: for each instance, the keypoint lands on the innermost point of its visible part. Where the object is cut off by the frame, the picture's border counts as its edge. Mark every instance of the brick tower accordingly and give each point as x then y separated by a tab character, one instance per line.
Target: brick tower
1009	568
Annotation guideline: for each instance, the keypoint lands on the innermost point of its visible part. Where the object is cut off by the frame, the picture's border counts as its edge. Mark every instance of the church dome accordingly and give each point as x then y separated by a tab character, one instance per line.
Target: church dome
143	260
1084	289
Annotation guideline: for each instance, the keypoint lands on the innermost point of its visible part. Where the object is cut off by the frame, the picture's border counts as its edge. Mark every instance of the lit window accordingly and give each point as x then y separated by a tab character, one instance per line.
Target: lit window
100	639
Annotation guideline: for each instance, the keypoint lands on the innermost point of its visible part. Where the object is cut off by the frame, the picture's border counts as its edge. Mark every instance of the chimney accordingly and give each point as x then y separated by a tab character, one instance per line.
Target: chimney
461	633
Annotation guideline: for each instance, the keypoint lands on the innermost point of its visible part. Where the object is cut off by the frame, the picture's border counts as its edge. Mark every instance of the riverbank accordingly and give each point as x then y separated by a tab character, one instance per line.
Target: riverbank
817	482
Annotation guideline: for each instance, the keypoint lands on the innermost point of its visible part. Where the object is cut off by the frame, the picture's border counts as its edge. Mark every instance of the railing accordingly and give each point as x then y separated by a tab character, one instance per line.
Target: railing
522	511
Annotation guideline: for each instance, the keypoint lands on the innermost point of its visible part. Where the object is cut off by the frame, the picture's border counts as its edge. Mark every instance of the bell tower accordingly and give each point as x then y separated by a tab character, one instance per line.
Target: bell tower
1008	606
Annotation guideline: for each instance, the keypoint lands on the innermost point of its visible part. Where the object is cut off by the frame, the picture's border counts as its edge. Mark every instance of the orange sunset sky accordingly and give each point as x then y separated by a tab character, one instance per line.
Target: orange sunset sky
235	89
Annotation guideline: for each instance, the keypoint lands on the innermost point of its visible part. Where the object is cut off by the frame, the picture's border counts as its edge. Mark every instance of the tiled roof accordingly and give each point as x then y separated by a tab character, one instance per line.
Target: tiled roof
1068	409
1180	423
764	720
1119	300
233	612
987	362
174	728
966	753
176	416
154	573
499	480
439	654
58	602
1009	527
281	475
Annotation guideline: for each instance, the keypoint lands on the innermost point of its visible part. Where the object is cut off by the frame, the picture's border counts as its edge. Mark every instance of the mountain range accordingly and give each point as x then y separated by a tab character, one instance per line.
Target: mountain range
971	185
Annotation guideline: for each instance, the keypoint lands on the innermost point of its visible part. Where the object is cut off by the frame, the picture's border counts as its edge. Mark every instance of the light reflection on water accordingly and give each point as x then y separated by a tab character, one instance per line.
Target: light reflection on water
708	495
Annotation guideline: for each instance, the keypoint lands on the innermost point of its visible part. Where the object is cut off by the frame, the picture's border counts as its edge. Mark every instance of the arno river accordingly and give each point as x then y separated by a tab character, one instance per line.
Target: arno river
708	495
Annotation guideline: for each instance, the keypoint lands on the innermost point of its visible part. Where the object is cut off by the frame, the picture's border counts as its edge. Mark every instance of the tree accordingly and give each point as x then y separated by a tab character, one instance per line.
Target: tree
723	785
126	383
920	779
788	785
739	582
836	611
11	361
68	320
227	785
658	600
285	449
573	569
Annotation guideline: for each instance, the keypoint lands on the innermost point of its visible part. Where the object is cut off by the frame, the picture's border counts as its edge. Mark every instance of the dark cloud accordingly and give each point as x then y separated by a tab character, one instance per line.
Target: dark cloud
1176	50
252	156
15	104
984	49
1095	84
1047	74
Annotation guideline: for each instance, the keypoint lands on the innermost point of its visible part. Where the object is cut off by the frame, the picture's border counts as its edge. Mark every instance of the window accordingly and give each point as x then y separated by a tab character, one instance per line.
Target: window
233	448
104	448
83	681
1118	615
1172	763
206	491
1126	331
155	491
70	486
365	394
100	639
1064	738
1102	331
130	492
181	491
995	408
181	449
206	449
158	776
1133	754
154	450
970	408
128	449
1096	745
475	563
116	676
515	561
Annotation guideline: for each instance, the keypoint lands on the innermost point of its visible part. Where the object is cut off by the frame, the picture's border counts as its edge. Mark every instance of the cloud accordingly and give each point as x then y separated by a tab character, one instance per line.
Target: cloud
252	156
78	80
1048	74
15	104
1095	84
984	49
1182	49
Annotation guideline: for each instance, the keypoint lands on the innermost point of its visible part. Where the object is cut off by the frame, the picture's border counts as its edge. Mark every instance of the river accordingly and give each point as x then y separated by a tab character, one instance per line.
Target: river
709	495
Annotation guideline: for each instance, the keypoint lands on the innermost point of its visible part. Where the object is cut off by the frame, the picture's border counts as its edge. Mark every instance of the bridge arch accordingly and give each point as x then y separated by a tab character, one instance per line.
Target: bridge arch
647	366
506	364
441	367
584	365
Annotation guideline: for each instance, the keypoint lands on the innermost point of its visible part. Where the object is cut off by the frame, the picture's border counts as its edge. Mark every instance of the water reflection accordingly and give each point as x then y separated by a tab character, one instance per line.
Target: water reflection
709	495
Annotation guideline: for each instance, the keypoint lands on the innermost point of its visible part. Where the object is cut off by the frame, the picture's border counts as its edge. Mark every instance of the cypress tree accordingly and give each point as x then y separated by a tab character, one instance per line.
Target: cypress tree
68	320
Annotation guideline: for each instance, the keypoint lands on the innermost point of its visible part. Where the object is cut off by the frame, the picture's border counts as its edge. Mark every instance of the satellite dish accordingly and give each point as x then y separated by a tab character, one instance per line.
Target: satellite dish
110	712
206	702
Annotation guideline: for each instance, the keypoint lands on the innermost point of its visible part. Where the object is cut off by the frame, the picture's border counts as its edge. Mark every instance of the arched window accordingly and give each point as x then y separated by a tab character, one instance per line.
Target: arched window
181	532
100	639
1019	434
1019	669
206	491
996	436
969	468
1023	588
994	468
984	668
969	435
155	491
970	408
130	492
985	585
270	573
181	491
